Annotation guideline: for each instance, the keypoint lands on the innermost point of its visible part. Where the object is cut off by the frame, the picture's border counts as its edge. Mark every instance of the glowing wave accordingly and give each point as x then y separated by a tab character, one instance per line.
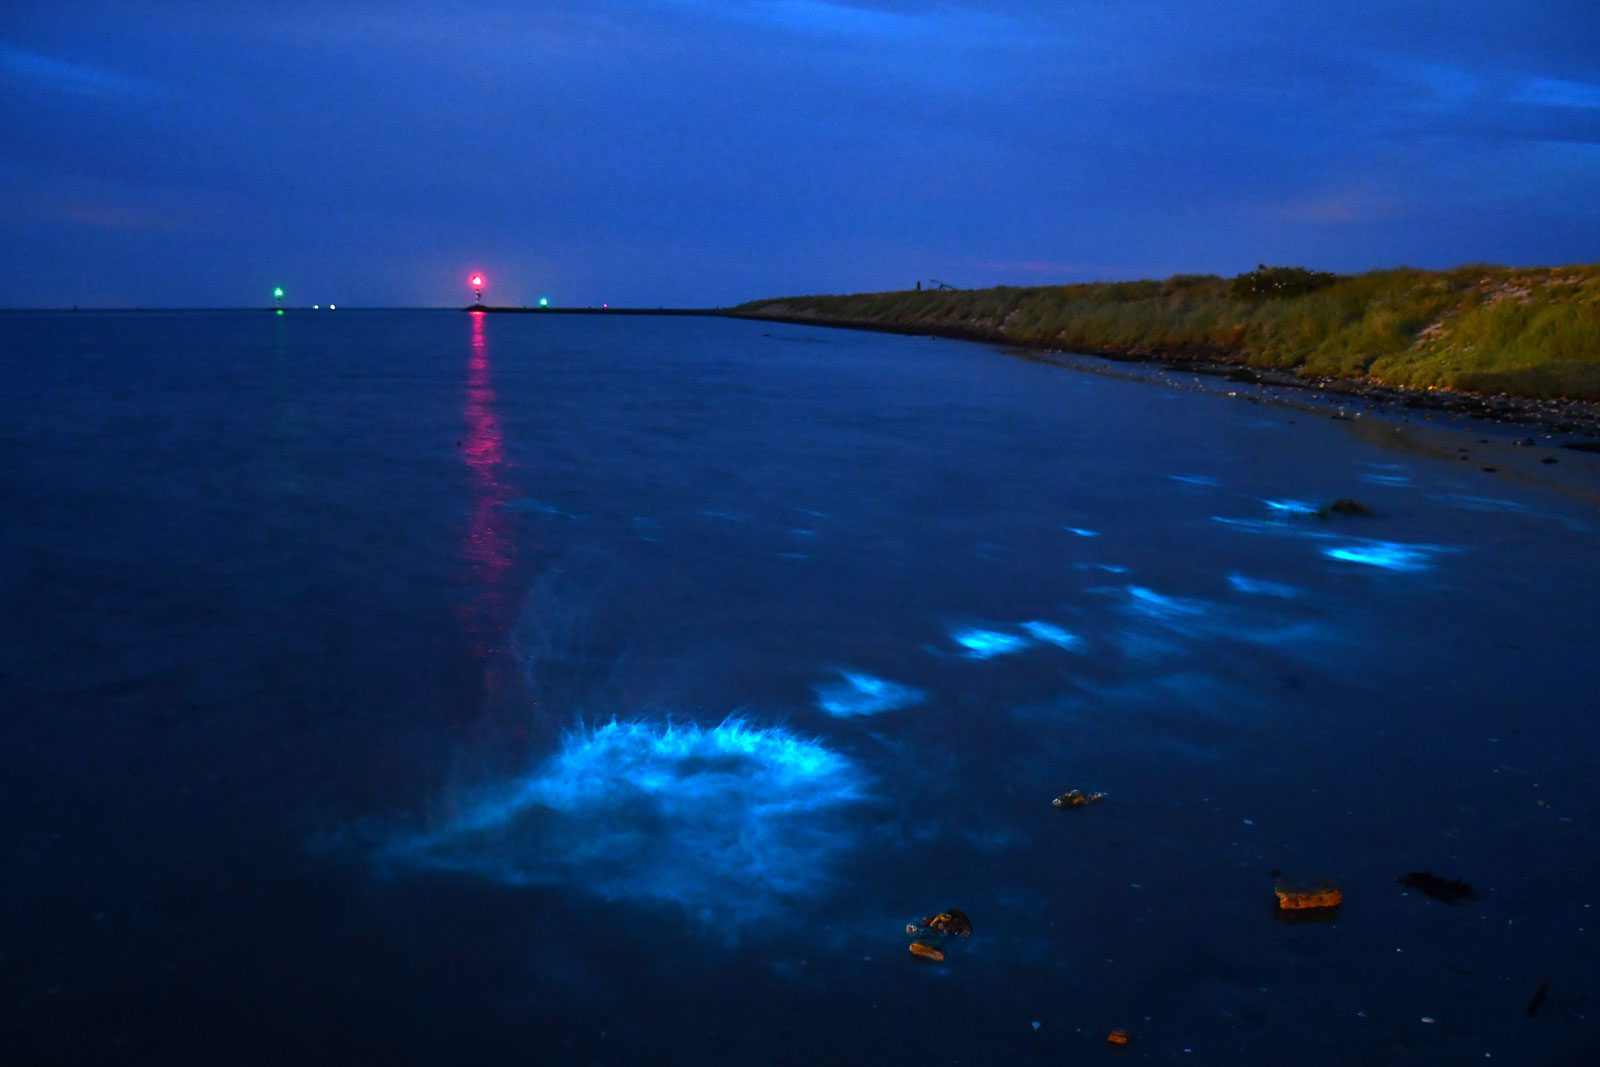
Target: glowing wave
857	693
730	823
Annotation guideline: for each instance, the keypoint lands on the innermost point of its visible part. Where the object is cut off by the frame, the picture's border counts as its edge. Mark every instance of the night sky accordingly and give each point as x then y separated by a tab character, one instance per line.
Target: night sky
700	152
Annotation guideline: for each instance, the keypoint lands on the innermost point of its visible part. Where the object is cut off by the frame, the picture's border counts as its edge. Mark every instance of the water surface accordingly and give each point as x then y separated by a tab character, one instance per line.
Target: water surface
420	687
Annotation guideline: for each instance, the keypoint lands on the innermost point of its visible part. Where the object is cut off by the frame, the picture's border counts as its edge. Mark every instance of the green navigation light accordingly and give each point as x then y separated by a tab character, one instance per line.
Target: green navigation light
544	301
277	292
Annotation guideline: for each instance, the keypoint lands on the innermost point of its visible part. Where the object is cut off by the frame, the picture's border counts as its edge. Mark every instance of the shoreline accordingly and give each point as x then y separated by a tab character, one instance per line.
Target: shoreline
1554	416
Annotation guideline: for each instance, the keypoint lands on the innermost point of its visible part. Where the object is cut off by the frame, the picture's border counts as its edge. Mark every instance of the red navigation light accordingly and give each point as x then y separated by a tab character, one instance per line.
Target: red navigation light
476	281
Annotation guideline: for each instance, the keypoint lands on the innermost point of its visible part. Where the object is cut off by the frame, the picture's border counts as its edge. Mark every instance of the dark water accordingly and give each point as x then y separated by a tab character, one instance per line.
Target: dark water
407	687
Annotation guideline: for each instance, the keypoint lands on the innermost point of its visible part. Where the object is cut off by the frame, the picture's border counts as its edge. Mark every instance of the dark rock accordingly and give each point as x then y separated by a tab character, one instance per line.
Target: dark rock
1447	890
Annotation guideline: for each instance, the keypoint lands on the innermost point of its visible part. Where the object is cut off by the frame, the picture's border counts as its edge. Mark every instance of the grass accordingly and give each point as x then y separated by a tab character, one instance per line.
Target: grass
1522	331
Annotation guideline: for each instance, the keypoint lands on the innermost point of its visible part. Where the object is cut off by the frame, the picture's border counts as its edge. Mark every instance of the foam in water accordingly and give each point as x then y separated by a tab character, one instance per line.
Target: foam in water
978	643
1259	587
1388	555
1051	634
858	693
732	823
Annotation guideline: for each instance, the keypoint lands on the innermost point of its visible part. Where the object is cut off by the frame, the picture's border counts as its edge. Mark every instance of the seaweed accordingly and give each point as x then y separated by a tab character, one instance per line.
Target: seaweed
1539	996
1445	890
1343	506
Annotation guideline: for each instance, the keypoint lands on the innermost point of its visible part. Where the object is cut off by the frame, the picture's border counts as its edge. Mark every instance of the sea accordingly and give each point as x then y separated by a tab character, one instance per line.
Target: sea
430	687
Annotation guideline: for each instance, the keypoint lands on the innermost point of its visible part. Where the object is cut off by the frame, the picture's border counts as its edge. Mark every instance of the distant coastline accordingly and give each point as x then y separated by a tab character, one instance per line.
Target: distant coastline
501	309
1518	343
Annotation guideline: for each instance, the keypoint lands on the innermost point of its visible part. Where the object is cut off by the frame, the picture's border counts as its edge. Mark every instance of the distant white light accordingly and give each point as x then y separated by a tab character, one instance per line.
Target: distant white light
332	308
316	307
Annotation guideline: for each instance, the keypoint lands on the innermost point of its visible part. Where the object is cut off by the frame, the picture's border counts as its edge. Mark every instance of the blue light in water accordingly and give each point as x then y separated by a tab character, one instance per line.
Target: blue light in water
1389	555
864	694
1291	507
733	823
1081	532
1258	587
986	644
1271	526
1051	634
1158	605
1109	568
1194	479
1386	479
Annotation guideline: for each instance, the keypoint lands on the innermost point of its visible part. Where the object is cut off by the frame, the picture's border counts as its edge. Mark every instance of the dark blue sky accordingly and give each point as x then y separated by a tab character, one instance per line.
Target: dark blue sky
709	151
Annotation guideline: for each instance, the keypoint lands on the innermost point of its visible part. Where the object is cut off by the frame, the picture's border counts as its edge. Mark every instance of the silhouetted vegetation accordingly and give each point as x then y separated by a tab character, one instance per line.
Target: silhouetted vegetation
1267	281
1526	331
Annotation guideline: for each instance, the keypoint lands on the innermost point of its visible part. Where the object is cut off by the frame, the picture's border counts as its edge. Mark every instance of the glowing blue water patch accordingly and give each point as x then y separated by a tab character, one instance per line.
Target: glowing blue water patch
1481	503
864	694
1080	531
1156	605
1194	479
1258	587
1389	555
1163	627
1271	526
986	644
1386	479
1291	507
1051	634
1109	568
733	823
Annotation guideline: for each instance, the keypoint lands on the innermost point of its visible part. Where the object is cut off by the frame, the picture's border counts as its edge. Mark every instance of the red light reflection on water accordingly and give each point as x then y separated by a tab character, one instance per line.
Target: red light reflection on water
488	549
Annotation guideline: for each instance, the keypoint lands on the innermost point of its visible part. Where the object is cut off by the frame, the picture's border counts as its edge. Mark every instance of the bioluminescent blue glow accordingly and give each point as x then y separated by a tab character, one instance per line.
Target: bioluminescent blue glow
1277	526
1389	555
1194	479
1109	568
1386	479
857	693
1081	532
978	643
1162	626
1051	634
1469	502
732	823
1158	605
1258	587
1291	507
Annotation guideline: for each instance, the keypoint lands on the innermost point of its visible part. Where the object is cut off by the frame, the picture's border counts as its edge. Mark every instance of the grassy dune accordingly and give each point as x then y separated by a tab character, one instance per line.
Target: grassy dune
1531	332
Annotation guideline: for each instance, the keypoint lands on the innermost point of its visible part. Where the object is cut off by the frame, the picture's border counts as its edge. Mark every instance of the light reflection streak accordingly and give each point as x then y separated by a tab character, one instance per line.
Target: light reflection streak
488	549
